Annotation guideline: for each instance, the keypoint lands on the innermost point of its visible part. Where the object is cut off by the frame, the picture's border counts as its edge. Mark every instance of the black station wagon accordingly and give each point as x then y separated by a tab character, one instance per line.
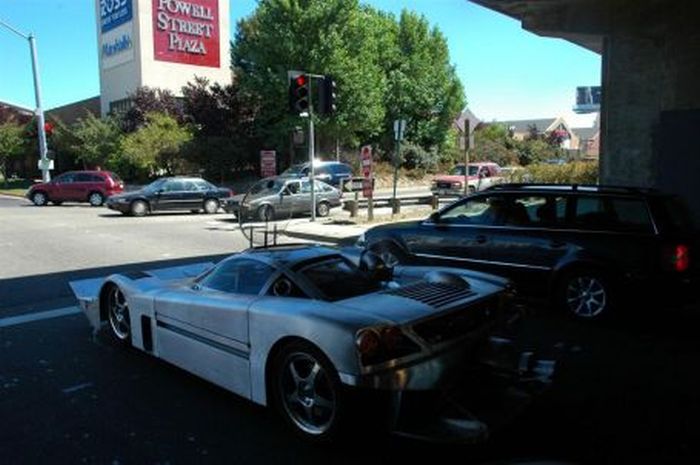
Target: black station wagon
579	246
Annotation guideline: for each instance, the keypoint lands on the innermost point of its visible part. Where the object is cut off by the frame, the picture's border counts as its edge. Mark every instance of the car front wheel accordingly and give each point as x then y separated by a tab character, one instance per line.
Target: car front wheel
323	209
586	294
266	213
390	254
118	315
139	208
40	199
306	392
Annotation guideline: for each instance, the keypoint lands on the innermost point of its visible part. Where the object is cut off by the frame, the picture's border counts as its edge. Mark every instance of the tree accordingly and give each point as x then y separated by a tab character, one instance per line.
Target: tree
11	145
149	100
154	147
91	140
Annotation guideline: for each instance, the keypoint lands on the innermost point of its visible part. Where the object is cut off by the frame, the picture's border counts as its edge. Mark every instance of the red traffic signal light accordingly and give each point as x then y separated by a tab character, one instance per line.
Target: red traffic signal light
48	128
299	94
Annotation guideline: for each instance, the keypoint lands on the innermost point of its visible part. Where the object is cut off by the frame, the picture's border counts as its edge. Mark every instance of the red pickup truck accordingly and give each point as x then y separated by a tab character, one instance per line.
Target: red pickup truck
481	175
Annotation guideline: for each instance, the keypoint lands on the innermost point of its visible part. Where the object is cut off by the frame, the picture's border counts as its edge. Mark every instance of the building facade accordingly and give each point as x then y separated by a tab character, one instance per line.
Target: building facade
160	43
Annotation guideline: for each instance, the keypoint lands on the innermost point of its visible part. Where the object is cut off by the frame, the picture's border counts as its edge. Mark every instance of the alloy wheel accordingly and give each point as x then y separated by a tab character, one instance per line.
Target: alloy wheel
307	394
586	296
118	313
96	199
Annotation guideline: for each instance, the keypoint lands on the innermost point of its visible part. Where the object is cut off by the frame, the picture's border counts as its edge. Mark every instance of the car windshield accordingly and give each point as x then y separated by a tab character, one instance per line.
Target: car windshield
337	278
459	170
266	187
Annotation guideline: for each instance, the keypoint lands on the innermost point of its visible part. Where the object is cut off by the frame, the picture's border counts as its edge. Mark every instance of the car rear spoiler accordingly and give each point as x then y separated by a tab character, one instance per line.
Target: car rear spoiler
87	291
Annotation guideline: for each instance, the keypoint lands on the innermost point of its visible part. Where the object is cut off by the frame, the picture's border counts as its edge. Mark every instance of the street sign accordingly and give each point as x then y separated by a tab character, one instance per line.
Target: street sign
355	184
399	129
45	164
268	163
366	164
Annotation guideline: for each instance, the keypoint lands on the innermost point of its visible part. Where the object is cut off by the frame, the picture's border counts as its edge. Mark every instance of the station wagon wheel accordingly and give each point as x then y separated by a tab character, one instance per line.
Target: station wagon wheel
307	392
40	199
586	294
96	199
323	209
211	206
118	314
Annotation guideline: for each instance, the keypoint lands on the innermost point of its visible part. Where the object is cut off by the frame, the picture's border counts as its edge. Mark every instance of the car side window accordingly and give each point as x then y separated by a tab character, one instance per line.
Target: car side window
476	211
541	211
83	177
305	187
201	185
65	178
173	186
611	213
292	188
241	276
189	186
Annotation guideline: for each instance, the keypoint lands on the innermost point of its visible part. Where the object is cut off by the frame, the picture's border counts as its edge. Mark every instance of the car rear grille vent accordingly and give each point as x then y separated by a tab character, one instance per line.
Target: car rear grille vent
434	294
458	323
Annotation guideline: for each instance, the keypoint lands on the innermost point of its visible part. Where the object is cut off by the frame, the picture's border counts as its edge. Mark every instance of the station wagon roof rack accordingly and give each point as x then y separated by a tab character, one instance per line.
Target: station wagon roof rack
574	187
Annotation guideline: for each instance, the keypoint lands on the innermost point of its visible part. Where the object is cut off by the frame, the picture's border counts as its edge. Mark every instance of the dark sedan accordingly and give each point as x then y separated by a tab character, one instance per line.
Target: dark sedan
281	198
169	194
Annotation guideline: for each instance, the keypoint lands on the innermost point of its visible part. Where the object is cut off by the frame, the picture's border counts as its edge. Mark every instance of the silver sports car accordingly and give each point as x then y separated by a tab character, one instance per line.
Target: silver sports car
307	329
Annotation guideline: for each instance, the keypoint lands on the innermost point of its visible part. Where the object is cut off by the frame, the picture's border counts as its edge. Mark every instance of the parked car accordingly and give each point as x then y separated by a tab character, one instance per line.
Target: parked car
580	246
481	176
330	172
281	197
93	187
304	329
168	194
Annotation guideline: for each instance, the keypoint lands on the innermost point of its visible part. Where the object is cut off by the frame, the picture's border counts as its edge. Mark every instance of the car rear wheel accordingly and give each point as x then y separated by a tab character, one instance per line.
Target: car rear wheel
323	209
139	208
586	294
389	253
307	392
40	199
266	213
118	315
96	199
211	206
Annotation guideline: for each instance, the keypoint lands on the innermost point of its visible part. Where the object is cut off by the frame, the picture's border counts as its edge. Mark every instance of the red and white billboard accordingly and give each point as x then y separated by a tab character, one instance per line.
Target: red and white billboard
186	31
366	166
268	163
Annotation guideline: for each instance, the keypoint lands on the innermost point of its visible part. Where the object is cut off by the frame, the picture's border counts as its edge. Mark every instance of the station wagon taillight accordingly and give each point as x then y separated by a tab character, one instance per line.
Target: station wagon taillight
678	257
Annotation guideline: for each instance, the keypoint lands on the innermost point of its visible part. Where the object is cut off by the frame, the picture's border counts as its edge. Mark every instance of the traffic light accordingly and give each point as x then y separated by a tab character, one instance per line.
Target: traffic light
299	94
328	96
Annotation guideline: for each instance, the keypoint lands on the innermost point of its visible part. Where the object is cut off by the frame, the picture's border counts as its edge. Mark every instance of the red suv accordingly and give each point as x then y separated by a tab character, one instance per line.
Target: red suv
76	186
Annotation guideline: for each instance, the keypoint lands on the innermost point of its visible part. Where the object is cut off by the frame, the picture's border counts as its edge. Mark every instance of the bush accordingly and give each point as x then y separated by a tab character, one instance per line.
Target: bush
569	173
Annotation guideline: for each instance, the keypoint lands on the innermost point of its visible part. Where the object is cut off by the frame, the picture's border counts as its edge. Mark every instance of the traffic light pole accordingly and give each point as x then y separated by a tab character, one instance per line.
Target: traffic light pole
41	132
312	138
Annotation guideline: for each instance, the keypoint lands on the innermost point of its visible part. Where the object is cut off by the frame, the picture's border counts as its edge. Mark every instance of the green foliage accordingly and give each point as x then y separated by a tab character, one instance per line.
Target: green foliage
384	69
11	144
92	141
156	146
149	100
535	151
568	173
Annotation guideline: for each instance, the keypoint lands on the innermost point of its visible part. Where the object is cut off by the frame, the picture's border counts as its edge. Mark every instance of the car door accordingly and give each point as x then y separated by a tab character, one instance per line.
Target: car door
61	187
81	186
530	238
458	235
193	194
285	202
203	327
170	196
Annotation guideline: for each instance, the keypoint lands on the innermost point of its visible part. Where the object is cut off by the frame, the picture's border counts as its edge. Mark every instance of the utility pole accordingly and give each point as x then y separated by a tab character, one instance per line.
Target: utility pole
312	139
466	140
399	130
44	162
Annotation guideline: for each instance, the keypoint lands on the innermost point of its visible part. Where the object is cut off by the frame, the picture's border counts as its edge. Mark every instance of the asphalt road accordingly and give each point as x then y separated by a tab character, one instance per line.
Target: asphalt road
628	391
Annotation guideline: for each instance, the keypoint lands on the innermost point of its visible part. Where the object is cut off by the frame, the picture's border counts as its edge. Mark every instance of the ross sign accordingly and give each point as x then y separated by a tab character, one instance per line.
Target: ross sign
186	31
114	13
268	163
366	167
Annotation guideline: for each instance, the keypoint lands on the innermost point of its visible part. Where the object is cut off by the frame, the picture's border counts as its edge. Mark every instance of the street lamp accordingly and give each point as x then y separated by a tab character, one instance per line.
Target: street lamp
43	150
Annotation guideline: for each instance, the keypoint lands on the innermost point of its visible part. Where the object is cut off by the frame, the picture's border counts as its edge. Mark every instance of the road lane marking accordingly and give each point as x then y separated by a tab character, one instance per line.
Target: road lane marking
38	316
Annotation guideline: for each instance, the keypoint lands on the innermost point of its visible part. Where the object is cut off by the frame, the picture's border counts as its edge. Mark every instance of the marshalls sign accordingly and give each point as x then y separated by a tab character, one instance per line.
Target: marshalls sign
186	31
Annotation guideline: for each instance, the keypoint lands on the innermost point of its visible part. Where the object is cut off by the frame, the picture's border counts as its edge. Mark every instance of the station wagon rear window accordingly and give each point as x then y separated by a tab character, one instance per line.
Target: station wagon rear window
612	214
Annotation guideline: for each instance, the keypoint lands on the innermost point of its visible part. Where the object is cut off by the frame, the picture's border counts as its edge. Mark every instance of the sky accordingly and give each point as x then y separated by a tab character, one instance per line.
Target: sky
508	73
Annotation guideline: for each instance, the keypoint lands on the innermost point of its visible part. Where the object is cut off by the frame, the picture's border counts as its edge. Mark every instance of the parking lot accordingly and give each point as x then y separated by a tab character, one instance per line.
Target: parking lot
627	391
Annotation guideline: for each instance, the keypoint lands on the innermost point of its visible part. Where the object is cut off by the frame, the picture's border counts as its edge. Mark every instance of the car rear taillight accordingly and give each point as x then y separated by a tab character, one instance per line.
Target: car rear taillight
677	257
383	344
230	193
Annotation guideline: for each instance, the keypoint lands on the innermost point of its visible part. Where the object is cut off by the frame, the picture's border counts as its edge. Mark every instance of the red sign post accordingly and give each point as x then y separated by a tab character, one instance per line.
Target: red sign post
268	163
366	164
186	31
